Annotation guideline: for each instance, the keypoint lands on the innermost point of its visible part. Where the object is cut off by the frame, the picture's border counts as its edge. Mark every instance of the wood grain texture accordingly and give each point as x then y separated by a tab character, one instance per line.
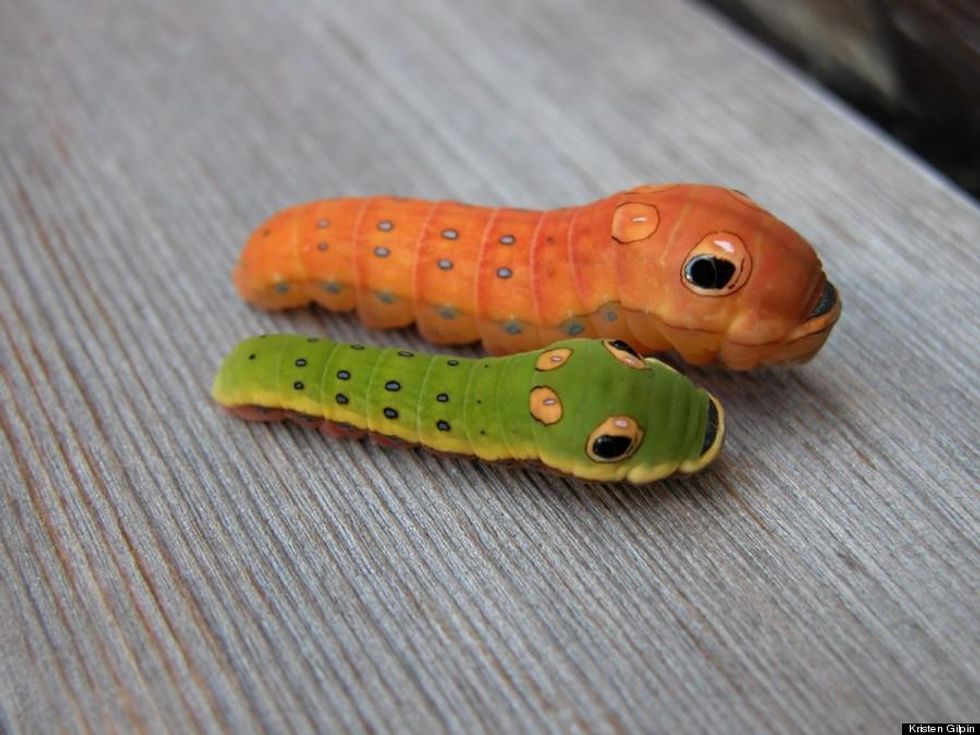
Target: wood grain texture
165	567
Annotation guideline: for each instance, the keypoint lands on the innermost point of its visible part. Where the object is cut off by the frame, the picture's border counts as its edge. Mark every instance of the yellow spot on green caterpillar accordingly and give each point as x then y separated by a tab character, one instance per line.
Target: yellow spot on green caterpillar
545	405
552	359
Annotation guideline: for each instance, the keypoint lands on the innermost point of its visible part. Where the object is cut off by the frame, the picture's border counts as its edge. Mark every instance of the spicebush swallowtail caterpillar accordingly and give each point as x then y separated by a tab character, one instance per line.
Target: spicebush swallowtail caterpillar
592	409
699	269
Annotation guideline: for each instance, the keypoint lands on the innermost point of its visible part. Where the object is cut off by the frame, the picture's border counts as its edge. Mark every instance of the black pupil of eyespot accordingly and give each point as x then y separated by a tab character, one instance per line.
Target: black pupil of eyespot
624	347
610	447
707	271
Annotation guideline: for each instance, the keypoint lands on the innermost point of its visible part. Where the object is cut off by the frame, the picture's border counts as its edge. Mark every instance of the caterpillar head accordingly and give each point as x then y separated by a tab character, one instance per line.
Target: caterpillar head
738	285
604	413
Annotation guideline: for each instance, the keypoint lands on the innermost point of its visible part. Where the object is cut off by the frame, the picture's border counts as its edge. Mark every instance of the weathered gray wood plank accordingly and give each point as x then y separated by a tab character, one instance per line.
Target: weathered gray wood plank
167	568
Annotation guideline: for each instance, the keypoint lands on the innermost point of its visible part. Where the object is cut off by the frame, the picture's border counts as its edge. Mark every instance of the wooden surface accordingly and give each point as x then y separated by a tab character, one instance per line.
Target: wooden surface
165	567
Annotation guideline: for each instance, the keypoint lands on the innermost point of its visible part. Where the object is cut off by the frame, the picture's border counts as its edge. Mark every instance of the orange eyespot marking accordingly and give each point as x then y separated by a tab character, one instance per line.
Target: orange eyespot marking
634	221
718	265
552	359
615	439
545	405
625	354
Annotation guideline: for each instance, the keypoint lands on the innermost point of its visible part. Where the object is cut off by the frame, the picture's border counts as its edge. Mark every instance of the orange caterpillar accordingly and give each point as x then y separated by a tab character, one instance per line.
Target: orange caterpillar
702	270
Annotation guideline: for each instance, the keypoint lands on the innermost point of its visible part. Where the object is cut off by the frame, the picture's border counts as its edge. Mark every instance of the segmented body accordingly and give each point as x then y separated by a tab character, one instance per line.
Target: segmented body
588	408
699	269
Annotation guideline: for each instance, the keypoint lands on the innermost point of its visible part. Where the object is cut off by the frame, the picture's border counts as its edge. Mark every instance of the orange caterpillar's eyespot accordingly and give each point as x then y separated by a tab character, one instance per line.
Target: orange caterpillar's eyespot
634	221
718	265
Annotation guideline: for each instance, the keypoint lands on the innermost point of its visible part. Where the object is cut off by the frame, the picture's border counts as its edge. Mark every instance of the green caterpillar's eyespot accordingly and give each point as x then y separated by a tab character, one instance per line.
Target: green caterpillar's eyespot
553	359
607	447
625	354
624	346
614	439
545	405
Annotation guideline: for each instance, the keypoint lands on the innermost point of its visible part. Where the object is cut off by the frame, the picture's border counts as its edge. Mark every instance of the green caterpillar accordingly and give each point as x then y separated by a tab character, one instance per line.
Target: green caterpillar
592	409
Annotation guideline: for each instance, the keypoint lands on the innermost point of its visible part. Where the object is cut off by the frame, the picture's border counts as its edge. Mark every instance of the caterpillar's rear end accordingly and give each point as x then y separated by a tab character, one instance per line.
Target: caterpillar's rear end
698	269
